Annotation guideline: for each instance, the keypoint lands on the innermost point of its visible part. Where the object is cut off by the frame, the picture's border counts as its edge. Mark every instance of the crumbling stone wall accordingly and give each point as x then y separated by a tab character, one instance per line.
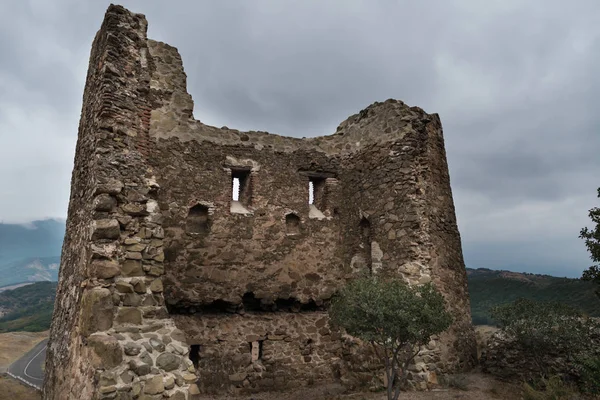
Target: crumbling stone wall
172	287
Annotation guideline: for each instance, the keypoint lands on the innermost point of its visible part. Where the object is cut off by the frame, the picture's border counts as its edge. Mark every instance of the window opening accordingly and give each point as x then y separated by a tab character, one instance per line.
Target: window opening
197	220
256	350
316	192
241	191
292	223
365	232
195	354
236	189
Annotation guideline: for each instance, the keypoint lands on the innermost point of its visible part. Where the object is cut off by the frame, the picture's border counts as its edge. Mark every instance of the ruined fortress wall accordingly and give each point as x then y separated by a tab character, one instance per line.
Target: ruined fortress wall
167	282
110	326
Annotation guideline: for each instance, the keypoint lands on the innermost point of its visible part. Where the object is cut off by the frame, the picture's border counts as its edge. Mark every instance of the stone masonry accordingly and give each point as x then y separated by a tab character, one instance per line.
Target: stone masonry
172	285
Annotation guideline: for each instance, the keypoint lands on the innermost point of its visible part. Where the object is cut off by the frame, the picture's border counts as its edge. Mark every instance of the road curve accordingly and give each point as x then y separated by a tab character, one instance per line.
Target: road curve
29	368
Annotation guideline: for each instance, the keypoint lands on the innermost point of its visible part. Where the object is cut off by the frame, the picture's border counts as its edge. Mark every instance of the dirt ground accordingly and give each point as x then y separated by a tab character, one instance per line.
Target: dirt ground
11	389
477	387
14	344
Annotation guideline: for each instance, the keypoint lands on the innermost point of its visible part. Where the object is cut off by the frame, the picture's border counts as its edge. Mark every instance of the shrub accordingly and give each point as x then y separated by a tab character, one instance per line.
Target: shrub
540	328
589	374
553	388
395	318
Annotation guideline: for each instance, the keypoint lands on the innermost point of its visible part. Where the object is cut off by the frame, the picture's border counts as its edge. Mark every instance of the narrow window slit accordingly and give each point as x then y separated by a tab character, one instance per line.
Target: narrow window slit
365	232
195	354
241	191
236	189
256	350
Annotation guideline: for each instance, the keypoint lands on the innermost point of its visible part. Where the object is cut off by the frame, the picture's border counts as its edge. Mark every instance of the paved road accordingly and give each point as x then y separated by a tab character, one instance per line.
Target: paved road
29	367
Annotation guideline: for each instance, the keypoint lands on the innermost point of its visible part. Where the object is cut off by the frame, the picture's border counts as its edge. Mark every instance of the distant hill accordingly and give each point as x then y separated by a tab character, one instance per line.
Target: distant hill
27	308
488	288
30	252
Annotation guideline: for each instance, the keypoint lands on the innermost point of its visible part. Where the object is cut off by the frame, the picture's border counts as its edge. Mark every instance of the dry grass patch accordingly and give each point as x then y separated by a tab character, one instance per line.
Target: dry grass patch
14	345
15	390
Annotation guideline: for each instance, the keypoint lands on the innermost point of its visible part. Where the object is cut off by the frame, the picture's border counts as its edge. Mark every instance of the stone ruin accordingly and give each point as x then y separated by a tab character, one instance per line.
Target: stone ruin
202	260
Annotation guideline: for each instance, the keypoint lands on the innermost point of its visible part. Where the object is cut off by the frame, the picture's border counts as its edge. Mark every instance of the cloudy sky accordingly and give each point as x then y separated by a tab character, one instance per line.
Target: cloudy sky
515	82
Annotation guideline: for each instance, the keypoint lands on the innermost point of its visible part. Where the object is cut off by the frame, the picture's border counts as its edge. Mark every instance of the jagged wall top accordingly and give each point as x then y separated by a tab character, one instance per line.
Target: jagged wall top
379	122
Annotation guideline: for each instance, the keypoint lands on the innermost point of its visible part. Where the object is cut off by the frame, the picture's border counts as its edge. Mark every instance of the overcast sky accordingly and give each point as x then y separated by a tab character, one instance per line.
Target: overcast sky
516	84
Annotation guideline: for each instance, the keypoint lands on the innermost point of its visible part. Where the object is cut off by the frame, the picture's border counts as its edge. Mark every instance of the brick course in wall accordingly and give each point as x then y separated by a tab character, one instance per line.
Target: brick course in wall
170	288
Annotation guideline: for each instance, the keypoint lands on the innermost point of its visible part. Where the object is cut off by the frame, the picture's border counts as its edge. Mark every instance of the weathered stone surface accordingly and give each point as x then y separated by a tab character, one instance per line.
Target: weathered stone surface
112	187
156	286
194	390
104	202
169	382
123	287
97	311
105	269
132	349
132	268
132	300
107	350
106	229
140	368
154	385
168	361
139	286
129	315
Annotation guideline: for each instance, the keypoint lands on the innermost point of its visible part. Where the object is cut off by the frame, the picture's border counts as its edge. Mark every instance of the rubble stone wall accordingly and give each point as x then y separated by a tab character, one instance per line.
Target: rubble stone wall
170	287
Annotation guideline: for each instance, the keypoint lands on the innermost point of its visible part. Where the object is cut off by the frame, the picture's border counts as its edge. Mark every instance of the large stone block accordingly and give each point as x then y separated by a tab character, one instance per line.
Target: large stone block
97	311
106	229
107	350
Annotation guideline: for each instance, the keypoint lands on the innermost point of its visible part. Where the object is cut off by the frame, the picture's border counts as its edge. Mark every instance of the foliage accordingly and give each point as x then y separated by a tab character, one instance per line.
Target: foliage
29	307
539	328
395	318
489	288
589	372
592	242
553	388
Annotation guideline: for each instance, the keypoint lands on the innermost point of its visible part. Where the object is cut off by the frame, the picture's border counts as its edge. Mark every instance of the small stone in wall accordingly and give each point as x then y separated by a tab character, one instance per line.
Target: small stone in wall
156	286
104	202
154	385
112	187
129	315
139	367
132	349
105	269
106	229
168	362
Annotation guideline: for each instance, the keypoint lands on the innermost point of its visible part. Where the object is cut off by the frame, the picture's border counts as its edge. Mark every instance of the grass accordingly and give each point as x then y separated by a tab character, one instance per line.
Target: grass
15	390
13	345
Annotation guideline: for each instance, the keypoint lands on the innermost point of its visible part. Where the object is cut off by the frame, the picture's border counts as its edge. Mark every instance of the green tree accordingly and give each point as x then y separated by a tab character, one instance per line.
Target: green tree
592	242
395	318
539	328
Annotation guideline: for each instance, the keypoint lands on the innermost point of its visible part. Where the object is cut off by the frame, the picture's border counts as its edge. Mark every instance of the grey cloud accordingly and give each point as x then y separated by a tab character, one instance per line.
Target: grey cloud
514	82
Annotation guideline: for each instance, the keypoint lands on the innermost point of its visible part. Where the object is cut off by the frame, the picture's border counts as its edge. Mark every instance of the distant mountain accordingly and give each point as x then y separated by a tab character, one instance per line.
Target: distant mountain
488	288
30	252
27	308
